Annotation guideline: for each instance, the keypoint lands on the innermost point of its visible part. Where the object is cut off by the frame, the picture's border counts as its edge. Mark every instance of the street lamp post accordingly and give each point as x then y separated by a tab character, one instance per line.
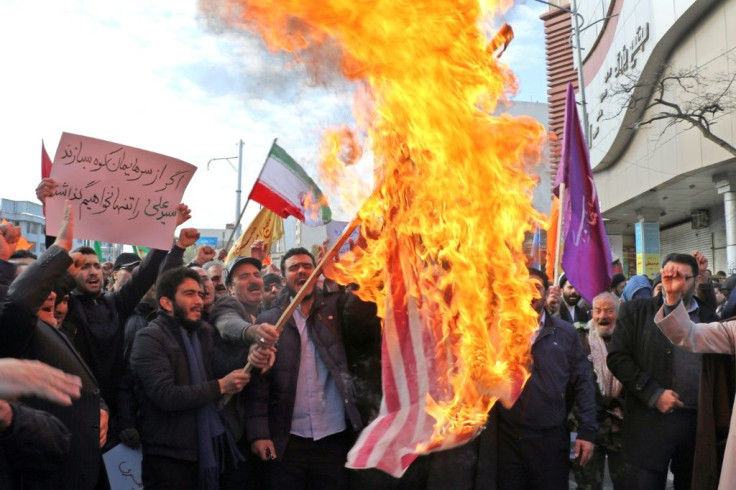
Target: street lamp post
238	190
577	29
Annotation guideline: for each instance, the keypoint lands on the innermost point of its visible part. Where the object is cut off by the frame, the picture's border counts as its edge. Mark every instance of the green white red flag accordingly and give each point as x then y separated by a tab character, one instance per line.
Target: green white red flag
286	189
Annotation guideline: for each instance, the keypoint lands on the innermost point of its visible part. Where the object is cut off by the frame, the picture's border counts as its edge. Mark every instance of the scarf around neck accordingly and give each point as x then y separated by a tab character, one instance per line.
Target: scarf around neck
215	443
610	386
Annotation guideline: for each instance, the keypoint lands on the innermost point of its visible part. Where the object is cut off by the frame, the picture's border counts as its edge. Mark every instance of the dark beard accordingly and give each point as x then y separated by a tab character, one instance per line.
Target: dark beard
181	315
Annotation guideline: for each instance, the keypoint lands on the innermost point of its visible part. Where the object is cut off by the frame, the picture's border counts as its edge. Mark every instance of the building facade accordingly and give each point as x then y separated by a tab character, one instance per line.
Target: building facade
29	217
658	91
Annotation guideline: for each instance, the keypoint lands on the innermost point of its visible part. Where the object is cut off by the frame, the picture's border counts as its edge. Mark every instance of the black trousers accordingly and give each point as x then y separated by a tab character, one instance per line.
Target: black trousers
677	443
162	473
312	465
533	460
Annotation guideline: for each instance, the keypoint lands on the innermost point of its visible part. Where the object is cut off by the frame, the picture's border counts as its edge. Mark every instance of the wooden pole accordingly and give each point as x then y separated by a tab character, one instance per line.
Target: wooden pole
307	287
558	251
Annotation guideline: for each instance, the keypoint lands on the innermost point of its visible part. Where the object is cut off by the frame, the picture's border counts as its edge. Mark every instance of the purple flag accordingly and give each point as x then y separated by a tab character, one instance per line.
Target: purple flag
586	258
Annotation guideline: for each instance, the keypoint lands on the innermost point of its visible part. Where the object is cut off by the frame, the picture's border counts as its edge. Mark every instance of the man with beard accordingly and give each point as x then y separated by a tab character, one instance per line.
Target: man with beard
662	384
569	310
215	269
302	413
97	318
609	401
533	441
185	443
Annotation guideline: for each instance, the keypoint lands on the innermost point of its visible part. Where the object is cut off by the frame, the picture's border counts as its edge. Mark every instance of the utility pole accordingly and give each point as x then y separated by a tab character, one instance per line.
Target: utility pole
238	189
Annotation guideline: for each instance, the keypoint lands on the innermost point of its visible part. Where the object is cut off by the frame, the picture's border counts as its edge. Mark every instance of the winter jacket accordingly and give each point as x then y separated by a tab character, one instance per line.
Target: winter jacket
270	397
559	362
169	402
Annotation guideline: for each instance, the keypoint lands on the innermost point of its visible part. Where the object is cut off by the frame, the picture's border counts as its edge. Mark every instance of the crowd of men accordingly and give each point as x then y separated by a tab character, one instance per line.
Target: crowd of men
150	353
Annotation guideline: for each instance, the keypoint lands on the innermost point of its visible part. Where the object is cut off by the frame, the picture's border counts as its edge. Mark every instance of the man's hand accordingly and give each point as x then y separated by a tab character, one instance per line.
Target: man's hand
554	299
204	255
187	237
45	189
183	213
104	419
65	235
668	402
9	236
262	358
34	378
259	249
583	451
78	261
130	437
264	449
263	334
328	267
222	254
673	284
702	261
6	415
233	382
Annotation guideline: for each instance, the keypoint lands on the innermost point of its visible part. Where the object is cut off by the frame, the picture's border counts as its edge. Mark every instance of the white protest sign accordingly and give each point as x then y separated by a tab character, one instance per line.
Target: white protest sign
123	466
118	194
335	229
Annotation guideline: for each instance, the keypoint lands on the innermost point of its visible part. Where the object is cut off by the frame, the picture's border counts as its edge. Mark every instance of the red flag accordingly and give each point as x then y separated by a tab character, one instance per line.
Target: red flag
409	371
45	163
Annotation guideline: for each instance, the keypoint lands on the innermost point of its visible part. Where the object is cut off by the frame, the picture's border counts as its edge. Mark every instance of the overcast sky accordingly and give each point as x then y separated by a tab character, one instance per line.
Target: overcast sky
152	75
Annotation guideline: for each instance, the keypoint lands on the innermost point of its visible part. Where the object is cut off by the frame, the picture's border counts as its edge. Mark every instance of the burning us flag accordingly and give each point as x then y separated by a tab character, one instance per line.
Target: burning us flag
444	228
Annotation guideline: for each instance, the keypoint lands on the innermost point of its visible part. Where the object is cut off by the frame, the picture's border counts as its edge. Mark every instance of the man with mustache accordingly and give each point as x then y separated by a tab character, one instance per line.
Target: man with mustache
608	397
216	272
234	315
303	412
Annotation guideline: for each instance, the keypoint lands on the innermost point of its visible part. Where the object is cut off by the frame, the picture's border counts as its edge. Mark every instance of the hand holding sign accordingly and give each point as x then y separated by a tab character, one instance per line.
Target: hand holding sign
118	193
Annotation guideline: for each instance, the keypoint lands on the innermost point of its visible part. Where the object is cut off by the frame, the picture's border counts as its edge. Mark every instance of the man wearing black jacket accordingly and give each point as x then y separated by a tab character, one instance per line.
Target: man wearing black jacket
302	414
23	335
97	318
662	384
533	440
185	443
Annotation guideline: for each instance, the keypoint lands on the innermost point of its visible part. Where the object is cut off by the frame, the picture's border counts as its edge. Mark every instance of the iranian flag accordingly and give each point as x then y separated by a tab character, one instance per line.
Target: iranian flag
286	189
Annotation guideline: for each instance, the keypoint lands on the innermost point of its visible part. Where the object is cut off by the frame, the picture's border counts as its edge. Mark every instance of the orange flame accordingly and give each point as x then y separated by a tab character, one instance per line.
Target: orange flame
454	191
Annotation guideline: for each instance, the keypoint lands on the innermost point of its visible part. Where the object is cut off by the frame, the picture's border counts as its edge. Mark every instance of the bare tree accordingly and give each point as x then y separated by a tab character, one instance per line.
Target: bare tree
686	96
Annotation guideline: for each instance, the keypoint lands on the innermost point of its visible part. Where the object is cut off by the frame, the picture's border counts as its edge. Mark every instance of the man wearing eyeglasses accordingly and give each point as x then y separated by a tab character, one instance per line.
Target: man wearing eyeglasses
662	384
303	414
271	289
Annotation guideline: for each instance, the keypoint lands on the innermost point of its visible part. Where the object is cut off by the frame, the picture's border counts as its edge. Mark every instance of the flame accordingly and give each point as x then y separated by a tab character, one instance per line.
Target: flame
454	190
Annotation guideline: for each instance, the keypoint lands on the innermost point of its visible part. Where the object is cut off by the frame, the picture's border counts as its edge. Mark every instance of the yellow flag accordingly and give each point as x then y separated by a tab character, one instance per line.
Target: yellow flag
267	226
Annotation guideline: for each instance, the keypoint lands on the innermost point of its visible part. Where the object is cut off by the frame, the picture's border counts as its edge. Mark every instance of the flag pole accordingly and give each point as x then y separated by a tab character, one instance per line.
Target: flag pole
307	287
242	212
558	251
